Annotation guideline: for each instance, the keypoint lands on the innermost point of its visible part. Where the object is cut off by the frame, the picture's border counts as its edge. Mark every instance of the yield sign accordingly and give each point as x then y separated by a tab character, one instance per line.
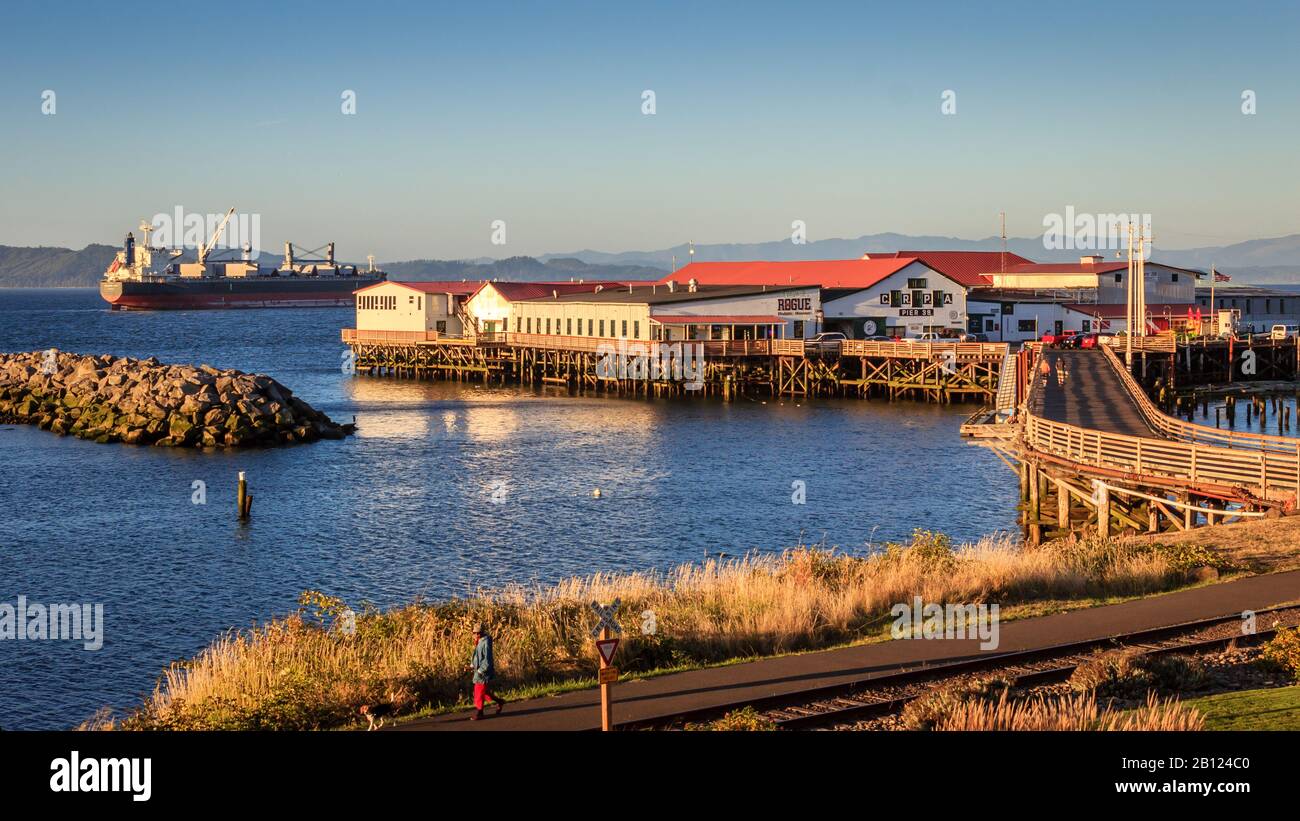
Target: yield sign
606	648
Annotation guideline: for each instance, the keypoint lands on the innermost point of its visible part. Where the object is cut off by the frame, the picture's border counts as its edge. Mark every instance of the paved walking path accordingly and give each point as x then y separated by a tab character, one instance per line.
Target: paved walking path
671	694
1083	390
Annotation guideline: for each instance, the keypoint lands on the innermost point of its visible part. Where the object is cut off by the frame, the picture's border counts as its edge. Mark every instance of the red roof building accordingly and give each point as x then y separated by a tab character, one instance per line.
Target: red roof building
853	274
969	268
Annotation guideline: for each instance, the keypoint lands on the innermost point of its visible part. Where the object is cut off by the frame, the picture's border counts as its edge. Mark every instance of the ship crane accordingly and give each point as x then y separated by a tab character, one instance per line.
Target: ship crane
204	250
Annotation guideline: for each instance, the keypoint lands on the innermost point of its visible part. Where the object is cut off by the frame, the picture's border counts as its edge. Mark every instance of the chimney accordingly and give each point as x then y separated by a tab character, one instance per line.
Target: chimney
1092	259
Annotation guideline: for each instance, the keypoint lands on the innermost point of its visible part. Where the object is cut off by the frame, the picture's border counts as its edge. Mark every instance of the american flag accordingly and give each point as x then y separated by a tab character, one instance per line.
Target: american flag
1218	277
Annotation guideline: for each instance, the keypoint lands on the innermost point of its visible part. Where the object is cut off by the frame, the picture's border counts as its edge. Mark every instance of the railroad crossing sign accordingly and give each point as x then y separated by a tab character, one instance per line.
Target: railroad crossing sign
606	648
607	621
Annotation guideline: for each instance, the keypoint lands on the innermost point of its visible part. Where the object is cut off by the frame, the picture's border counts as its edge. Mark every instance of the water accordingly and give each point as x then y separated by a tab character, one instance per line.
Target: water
406	507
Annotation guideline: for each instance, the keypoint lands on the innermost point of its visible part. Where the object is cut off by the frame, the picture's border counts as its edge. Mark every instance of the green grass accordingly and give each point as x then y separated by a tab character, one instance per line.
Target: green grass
1270	709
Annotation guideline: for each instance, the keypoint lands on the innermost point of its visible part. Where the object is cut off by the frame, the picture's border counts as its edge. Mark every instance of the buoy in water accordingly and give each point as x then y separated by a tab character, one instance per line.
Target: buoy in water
595	494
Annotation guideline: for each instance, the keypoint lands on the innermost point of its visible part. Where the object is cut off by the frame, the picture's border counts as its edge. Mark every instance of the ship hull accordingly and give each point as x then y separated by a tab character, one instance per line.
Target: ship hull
207	294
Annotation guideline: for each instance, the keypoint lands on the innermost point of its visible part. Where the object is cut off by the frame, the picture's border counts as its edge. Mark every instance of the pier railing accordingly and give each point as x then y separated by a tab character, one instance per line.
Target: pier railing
1179	429
1163	342
352	335
1265	465
594	344
916	350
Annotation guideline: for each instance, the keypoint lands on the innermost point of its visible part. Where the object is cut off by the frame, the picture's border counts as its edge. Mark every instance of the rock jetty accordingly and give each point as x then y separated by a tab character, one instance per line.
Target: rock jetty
146	402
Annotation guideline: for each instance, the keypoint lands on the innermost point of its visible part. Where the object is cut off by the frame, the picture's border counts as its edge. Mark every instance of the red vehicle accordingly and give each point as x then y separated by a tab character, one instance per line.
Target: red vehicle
1055	340
1087	341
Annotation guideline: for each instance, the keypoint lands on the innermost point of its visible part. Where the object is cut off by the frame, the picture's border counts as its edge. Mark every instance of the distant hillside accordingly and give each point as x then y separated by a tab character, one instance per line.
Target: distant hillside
53	267
1261	261
1274	260
519	269
64	268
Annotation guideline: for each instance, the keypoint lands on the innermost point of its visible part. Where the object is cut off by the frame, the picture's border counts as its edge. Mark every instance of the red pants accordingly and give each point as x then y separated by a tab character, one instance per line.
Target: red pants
482	694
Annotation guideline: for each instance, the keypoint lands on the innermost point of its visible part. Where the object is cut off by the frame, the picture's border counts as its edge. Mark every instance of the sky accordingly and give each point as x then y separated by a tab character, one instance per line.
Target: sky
531	114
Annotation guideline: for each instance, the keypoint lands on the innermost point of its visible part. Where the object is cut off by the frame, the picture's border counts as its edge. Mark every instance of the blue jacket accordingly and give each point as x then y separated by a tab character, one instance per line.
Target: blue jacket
481	661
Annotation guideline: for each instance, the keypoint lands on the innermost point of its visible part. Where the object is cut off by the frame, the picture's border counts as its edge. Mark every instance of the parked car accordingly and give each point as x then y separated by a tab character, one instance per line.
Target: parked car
879	338
1052	339
1284	331
825	341
975	337
1087	341
925	337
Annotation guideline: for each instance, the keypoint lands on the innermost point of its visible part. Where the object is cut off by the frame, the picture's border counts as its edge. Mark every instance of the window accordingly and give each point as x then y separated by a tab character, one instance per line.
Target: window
636	330
602	327
1268	306
591	323
1119	278
895	299
938	299
919	299
916	284
441	326
1086	325
624	334
530	324
1173	277
519	324
1028	326
798	329
568	327
548	324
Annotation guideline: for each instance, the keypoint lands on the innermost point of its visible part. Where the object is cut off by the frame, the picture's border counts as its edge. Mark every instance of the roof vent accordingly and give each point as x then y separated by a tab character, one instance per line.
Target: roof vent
692	285
672	286
1092	259
555	294
599	288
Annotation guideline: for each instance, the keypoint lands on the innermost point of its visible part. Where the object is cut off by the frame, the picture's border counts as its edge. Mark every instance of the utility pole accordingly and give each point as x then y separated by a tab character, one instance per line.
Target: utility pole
1214	311
1003	266
1128	305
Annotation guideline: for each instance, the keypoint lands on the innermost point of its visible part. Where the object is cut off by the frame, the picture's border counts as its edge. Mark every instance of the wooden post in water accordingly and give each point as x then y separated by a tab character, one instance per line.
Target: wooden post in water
243	501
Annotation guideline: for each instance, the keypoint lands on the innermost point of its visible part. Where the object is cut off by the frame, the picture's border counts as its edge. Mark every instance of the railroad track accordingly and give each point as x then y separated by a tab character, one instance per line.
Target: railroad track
880	696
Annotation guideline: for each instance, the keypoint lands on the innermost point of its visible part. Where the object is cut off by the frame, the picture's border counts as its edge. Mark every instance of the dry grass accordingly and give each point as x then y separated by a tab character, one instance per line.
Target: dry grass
1077	712
299	673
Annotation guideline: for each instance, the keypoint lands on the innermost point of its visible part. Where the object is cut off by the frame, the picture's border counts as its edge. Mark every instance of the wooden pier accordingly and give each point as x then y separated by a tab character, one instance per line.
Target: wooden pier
939	372
1095	454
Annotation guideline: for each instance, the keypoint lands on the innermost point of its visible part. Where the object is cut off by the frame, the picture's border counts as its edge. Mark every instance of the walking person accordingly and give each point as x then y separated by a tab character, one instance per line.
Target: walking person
484	671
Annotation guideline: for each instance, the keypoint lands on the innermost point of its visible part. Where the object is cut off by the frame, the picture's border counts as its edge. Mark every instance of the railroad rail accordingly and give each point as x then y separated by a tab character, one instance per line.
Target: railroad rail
874	697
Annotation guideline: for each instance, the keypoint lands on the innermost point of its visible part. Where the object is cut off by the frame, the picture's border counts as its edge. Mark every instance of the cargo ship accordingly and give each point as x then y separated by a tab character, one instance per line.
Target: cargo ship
134	282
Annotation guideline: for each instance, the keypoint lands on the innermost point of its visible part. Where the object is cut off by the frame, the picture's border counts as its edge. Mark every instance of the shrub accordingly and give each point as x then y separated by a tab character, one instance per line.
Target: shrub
1128	674
936	705
1282	654
746	719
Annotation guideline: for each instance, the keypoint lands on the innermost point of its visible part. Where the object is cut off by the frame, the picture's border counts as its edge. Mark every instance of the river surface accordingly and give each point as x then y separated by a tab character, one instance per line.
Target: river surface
446	488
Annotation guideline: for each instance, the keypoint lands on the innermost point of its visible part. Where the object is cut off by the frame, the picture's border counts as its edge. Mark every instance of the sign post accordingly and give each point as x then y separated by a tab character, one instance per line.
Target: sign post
606	632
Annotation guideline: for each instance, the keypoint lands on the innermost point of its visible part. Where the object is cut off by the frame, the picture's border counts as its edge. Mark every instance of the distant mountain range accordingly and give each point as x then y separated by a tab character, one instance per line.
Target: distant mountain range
1261	261
1275	260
